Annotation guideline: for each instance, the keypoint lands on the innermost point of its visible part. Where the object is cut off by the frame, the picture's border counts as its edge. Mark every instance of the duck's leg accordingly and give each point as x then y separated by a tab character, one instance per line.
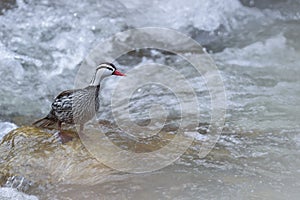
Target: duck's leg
81	134
59	126
64	137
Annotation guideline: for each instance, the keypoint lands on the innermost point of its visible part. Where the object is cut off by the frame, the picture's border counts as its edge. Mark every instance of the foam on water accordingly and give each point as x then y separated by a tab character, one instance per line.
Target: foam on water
6	127
13	194
39	54
262	83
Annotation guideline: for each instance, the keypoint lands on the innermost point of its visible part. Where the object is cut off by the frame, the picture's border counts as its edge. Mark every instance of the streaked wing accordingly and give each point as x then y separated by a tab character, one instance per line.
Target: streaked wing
64	101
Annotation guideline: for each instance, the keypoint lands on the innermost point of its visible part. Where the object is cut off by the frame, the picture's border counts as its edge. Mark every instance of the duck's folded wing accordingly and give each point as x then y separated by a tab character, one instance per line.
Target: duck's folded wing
64	101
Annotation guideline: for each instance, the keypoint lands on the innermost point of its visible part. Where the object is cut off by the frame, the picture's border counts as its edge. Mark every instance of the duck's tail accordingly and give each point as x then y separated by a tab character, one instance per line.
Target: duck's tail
45	122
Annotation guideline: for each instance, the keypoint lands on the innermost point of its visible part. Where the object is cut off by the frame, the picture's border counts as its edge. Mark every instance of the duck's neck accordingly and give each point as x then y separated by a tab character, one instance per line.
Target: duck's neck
95	81
97	78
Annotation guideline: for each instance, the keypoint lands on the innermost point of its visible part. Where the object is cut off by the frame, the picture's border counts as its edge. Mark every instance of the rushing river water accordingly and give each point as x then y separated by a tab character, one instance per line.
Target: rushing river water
255	45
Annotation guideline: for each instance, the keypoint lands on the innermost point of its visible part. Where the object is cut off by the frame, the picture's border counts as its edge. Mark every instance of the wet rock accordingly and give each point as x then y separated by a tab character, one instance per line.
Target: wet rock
34	160
37	159
214	41
7	4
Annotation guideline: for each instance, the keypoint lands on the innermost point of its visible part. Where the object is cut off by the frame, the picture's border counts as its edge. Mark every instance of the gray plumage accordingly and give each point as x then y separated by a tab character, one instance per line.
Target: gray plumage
80	105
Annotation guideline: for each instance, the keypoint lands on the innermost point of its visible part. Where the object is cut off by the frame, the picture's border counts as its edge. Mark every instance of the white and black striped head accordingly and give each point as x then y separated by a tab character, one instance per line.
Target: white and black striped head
104	70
